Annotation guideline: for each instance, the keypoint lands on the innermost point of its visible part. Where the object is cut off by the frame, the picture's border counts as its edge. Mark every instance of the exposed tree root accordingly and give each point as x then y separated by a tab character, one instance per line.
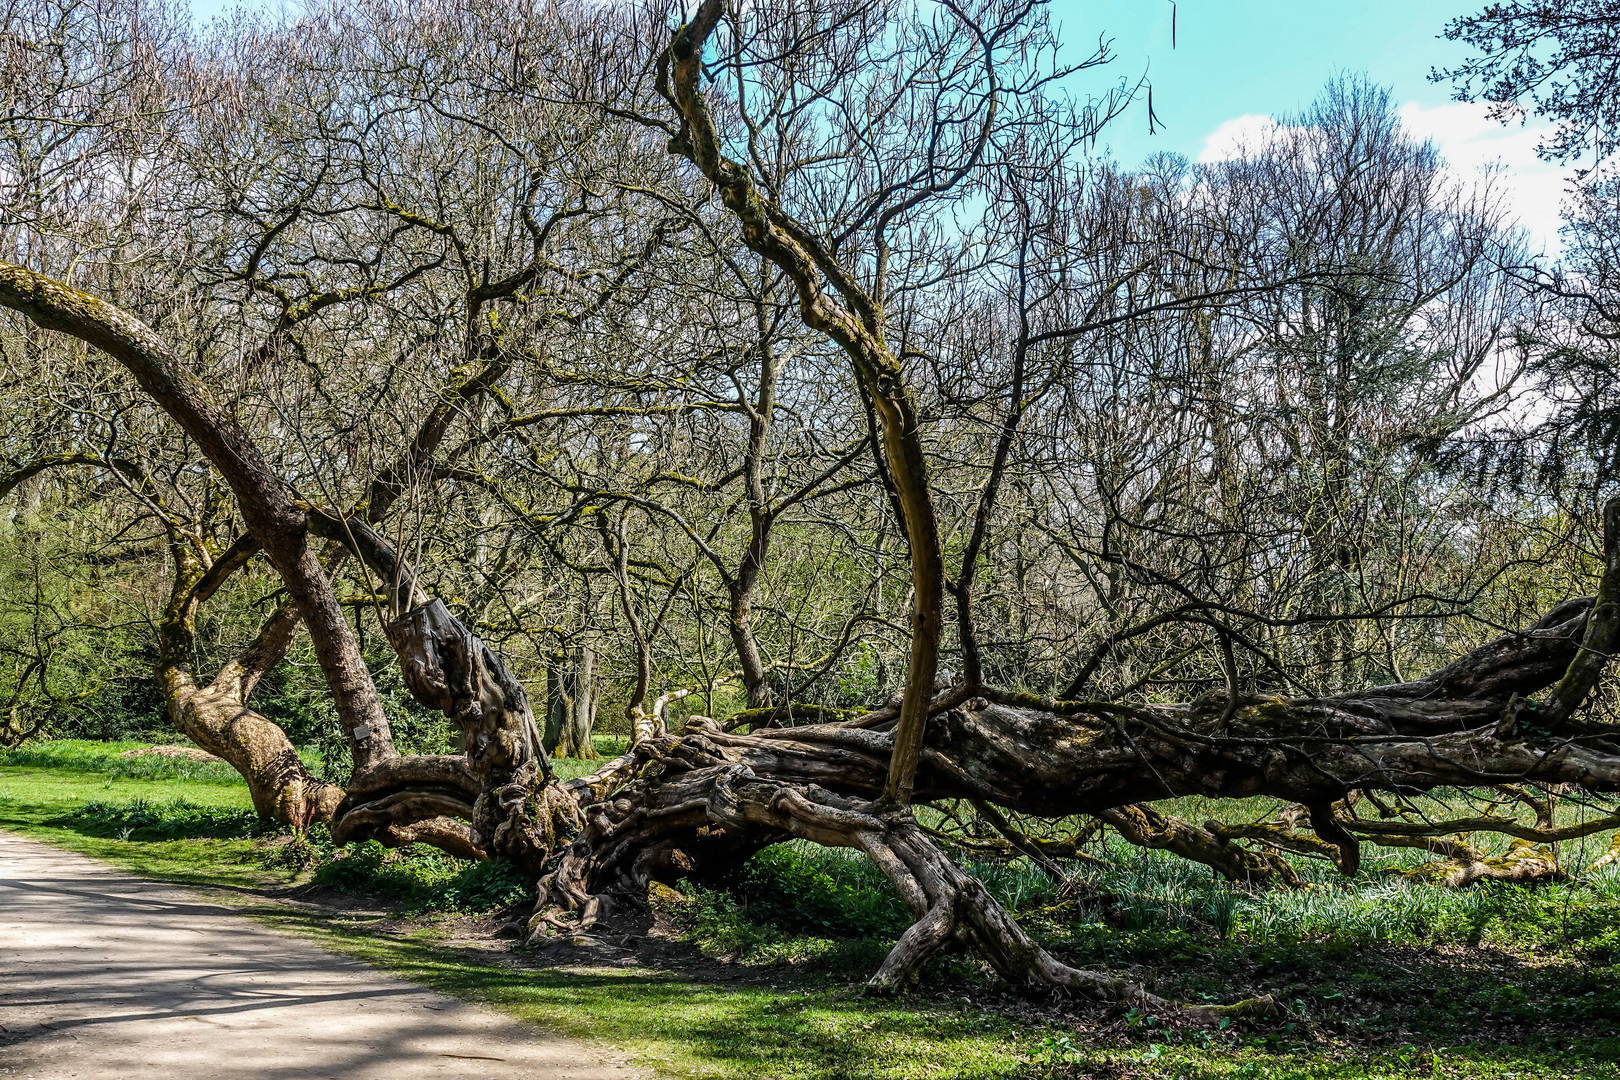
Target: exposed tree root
675	828
697	803
951	907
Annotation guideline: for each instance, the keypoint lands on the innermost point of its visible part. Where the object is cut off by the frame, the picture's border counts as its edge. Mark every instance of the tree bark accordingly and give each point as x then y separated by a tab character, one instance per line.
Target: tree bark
216	716
858	330
697	802
559	704
582	717
703	800
280	527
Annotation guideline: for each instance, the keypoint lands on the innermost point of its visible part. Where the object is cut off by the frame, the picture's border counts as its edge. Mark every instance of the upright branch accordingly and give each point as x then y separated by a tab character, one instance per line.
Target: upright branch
855	324
1600	639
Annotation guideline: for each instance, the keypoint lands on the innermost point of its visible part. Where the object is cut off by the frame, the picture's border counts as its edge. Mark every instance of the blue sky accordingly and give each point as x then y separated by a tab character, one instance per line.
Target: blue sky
1257	57
1237	62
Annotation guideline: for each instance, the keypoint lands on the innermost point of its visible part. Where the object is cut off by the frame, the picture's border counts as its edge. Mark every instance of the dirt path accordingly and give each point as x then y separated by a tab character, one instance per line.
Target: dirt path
104	975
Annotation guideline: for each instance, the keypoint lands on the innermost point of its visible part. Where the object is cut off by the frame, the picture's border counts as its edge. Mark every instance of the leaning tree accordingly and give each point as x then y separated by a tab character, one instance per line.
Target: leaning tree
849	147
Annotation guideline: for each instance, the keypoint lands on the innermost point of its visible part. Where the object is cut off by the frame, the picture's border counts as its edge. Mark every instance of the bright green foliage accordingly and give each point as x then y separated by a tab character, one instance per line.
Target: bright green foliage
107	758
177	819
819	890
74	653
421	879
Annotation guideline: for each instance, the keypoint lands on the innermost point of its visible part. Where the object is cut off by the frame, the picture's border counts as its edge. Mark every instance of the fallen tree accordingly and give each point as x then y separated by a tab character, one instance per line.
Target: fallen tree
699	802
696	802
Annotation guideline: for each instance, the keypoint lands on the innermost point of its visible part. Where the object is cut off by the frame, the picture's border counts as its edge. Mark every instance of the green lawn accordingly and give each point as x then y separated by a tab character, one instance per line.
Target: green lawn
1510	1014
38	802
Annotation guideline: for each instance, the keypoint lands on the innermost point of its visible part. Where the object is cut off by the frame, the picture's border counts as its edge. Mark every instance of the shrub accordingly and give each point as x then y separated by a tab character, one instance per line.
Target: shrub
804	887
713	920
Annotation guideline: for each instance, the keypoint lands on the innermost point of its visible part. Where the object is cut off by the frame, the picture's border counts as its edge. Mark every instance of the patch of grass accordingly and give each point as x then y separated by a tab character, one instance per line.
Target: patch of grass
1532	967
684	1027
88	755
177	819
421	879
609	746
70	791
1382	980
713	920
804	887
106	758
412	880
45	804
1152	892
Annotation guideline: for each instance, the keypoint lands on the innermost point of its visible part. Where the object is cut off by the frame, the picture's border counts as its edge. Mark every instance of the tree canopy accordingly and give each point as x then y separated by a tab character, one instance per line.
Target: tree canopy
795	389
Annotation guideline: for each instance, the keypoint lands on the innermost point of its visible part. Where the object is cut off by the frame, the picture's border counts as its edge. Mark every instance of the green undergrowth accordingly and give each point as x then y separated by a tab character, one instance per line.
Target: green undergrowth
50	804
177	819
691	1027
418	879
798	889
607	746
1381	978
107	759
414	880
1455	982
81	794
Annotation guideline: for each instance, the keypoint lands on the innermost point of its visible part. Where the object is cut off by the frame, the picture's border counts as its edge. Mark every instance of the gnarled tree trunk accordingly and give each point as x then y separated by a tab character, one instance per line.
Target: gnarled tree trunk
698	802
704	799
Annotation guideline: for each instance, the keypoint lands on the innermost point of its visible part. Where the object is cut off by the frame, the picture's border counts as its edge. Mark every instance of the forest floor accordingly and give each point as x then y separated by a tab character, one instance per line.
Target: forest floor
764	980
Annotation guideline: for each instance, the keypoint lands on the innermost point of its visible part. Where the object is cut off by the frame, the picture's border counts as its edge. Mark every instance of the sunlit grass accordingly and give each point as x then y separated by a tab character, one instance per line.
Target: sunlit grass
41	803
107	759
808	923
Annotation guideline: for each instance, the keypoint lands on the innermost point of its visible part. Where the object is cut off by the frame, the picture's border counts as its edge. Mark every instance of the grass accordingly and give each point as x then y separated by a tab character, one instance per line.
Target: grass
609	746
1384	979
105	759
419	879
44	803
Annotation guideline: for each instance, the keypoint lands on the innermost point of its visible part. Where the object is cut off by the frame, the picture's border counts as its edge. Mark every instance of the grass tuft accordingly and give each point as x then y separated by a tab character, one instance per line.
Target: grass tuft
176	819
106	758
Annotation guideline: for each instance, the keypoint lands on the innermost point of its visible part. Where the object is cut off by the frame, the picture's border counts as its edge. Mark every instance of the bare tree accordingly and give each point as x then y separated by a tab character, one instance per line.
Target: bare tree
550	391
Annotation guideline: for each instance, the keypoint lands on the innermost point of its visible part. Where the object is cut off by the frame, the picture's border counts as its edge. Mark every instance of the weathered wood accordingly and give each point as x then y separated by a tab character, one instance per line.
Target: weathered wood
581	718
1147	827
448	667
215	715
695	803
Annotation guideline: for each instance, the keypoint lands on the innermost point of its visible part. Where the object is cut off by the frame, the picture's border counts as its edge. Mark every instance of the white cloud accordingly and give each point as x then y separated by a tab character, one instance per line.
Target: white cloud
1472	142
1475	144
1236	135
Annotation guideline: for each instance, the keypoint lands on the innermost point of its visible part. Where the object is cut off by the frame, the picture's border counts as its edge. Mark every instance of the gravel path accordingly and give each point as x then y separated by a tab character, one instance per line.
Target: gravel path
104	975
